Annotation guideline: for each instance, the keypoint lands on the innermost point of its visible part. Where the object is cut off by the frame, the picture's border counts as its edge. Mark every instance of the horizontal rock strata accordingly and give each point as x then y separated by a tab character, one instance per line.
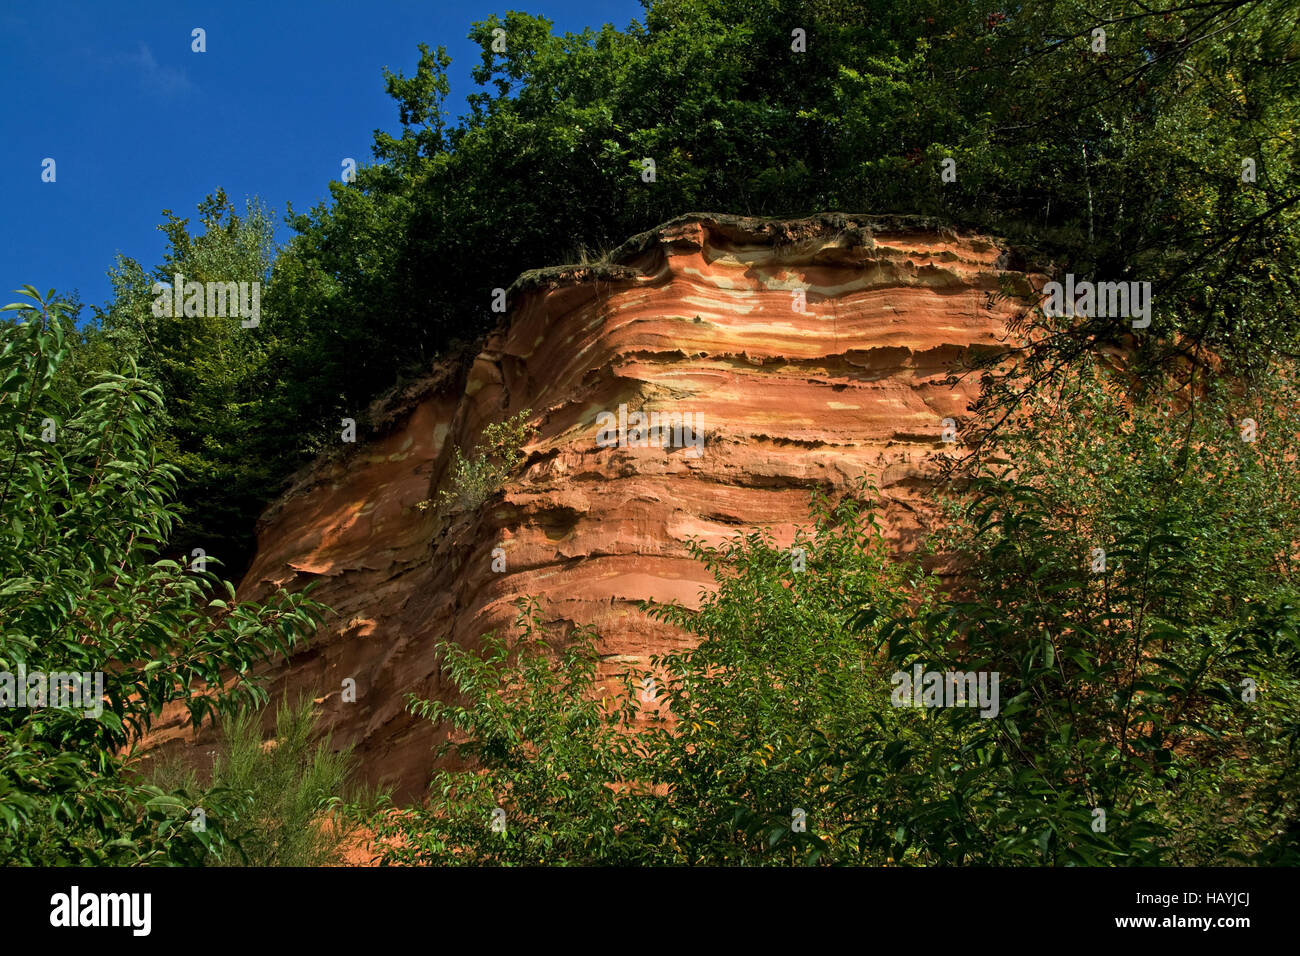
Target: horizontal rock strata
700	316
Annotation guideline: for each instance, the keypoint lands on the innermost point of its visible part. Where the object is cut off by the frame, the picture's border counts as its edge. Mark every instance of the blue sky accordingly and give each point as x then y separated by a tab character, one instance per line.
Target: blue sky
137	122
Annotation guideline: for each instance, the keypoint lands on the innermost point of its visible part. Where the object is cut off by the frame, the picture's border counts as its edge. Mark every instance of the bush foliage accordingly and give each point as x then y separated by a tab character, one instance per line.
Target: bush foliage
85	509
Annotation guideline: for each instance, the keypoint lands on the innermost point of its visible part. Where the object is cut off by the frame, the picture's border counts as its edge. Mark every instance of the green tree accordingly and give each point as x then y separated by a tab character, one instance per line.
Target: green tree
776	677
214	375
84	511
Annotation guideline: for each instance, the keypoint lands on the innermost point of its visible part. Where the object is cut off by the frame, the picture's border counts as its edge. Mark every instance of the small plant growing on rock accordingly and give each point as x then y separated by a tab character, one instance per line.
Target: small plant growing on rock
497	455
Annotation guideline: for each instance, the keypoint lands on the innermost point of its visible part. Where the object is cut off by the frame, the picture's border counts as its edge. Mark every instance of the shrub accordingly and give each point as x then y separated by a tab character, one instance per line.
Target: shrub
1128	577
497	455
285	788
587	772
537	748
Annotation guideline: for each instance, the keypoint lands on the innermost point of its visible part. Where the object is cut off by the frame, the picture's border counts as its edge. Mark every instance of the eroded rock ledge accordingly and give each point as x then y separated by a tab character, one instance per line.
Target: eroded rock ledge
694	316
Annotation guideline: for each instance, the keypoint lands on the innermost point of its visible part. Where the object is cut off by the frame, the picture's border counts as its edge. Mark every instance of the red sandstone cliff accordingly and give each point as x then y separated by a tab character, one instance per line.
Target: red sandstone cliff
694	317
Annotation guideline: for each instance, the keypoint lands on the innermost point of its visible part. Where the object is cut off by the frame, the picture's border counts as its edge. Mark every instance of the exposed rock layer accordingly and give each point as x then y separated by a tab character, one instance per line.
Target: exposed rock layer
697	316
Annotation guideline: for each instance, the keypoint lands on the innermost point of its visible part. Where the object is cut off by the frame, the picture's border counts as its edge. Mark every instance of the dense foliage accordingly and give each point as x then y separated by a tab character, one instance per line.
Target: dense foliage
85	508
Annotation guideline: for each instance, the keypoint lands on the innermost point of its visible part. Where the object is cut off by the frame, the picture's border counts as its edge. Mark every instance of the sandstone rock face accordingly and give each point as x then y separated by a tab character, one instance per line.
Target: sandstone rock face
698	317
